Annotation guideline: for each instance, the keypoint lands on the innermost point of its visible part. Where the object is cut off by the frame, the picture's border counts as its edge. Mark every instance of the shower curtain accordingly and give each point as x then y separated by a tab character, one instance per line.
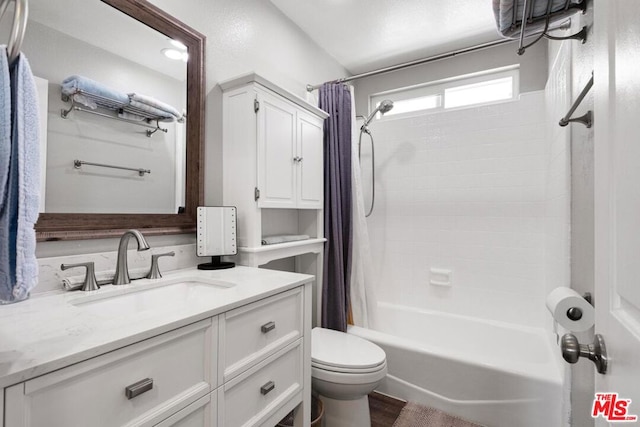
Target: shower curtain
335	99
363	282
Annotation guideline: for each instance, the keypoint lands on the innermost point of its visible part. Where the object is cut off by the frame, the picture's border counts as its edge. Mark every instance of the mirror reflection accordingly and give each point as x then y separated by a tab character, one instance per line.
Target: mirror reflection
113	110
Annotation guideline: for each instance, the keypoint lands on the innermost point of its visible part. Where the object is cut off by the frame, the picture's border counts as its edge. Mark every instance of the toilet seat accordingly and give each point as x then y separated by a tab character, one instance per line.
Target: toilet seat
349	377
345	355
355	370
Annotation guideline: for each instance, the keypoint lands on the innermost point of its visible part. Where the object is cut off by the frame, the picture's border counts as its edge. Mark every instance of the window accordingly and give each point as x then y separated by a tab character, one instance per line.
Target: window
488	87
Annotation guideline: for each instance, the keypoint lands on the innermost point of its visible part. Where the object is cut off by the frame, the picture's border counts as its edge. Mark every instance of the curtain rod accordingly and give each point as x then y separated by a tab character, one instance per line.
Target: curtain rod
451	54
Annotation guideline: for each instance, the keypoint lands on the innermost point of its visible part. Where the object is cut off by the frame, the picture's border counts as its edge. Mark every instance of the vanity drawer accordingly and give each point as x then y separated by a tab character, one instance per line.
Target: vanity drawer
250	398
94	392
201	413
251	333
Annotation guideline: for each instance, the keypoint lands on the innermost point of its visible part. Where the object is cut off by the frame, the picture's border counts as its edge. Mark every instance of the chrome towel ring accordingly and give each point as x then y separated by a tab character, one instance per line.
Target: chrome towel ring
18	28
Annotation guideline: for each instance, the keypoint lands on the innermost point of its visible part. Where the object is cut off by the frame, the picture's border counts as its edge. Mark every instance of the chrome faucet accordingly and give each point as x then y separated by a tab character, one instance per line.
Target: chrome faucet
122	270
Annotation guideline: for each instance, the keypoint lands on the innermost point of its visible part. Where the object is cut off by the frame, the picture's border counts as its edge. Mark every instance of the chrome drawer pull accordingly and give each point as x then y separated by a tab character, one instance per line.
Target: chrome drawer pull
138	388
265	389
268	327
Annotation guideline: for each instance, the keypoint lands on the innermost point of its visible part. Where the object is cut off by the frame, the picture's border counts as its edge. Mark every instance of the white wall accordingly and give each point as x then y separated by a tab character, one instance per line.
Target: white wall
245	36
558	190
577	241
463	190
242	36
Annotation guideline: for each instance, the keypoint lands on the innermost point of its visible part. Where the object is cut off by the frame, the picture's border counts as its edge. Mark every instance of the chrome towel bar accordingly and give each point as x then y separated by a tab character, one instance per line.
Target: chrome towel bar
78	164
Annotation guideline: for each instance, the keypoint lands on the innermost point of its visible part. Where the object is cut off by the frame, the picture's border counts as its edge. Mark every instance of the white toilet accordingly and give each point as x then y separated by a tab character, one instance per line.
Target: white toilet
344	370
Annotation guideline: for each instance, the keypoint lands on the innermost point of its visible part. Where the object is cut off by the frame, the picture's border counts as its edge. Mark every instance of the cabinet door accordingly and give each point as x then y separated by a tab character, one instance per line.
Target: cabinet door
276	151
310	162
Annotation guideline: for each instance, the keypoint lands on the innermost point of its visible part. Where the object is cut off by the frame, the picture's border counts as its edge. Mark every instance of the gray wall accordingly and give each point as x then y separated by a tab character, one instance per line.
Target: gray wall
533	71
242	36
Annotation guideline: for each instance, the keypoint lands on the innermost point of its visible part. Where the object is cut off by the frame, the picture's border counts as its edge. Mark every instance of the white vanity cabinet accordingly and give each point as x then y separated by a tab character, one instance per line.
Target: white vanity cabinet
249	366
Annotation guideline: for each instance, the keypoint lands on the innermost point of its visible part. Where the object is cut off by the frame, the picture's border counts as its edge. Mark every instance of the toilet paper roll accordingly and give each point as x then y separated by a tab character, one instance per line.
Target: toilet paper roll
570	309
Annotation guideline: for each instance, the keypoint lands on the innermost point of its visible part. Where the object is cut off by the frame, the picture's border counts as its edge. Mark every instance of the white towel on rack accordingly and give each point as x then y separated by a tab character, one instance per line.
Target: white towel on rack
154	103
19	267
283	238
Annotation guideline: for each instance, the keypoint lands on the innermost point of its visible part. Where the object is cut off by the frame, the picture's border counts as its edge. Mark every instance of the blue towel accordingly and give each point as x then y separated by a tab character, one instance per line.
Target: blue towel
74	83
503	13
18	265
7	281
5	122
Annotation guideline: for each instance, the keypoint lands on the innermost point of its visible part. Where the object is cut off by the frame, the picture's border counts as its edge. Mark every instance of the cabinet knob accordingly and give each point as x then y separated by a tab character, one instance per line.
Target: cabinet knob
138	388
269	326
265	389
297	159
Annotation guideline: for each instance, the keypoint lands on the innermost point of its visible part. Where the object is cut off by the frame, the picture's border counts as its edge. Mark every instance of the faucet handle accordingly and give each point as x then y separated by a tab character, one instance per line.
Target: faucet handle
154	273
90	282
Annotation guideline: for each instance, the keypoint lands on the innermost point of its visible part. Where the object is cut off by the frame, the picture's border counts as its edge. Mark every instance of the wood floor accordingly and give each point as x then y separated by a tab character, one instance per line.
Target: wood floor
384	409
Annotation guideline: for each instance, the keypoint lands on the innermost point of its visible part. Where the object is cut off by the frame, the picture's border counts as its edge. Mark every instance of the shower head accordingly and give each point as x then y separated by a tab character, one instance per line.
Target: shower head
383	107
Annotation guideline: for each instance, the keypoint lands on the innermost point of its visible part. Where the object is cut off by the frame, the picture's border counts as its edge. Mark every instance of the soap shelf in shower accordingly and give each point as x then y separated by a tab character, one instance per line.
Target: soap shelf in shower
112	105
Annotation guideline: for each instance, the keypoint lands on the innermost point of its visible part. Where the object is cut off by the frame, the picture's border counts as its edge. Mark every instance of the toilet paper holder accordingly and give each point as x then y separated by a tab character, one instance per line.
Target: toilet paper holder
575	313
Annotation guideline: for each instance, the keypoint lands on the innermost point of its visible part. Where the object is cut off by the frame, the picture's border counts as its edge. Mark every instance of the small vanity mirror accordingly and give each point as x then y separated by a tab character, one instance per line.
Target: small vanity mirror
216	235
109	166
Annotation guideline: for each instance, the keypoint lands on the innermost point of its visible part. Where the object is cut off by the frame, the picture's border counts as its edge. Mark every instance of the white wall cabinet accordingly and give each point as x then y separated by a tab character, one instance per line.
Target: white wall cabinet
310	161
263	372
290	161
273	159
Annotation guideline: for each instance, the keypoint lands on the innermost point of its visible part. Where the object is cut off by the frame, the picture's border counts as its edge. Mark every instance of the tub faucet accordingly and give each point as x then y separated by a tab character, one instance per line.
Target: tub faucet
122	270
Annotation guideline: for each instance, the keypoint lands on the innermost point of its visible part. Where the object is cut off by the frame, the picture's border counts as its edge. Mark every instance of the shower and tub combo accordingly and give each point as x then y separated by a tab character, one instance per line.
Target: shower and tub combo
493	362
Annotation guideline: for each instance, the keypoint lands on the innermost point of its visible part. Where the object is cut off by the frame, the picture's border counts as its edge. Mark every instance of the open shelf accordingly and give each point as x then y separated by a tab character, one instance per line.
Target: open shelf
263	254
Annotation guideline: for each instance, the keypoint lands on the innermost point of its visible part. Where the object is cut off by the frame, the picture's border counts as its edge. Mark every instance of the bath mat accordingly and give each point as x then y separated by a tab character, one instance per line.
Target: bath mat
414	415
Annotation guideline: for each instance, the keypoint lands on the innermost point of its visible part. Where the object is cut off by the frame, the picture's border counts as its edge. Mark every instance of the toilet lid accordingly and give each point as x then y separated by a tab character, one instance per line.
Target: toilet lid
332	349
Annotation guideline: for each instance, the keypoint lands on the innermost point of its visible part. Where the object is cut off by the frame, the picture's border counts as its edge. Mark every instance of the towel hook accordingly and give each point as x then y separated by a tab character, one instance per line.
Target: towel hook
20	16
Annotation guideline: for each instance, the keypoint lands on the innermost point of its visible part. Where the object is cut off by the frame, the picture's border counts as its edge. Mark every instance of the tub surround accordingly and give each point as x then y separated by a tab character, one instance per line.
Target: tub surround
48	332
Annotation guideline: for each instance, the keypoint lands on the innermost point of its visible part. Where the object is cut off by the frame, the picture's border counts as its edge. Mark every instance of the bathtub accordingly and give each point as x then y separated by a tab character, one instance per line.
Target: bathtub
493	373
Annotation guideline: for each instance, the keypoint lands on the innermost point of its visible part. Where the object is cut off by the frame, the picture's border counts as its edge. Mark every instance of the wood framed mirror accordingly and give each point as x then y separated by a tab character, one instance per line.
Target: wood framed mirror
76	226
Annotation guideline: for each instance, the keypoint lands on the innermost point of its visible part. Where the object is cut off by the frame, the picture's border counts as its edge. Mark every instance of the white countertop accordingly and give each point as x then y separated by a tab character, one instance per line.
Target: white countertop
49	332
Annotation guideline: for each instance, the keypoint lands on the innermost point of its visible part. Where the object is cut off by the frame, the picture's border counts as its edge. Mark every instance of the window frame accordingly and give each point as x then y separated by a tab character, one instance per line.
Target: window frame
438	87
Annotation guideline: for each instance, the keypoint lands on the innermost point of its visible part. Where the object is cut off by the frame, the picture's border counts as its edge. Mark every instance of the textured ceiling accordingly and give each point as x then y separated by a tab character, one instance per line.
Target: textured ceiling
367	34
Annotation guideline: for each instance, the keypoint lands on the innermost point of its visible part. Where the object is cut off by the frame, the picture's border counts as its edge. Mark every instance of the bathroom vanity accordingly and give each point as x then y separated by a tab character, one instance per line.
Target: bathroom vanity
195	348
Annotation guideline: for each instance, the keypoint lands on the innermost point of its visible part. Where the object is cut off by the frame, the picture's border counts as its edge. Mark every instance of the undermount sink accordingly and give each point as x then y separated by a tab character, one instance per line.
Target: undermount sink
150	295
